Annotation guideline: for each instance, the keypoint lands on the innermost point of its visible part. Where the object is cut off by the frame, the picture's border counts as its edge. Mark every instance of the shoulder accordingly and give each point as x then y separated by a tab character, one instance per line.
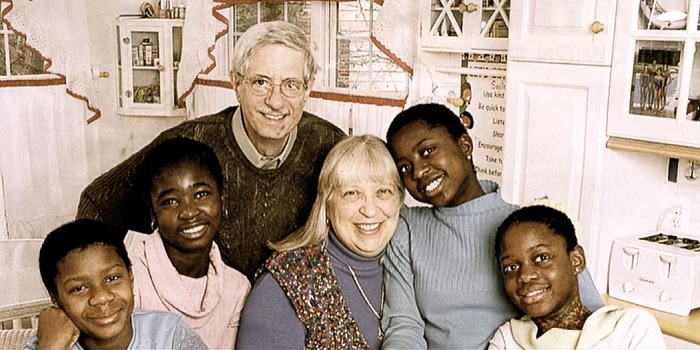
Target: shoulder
142	317
299	257
235	279
311	124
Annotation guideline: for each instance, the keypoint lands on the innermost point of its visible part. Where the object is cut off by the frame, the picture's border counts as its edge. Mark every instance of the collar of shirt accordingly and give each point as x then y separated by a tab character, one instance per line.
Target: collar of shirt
243	141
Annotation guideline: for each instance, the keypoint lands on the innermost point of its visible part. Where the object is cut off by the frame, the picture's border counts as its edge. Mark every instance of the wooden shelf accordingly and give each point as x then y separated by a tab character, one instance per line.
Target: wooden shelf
671	151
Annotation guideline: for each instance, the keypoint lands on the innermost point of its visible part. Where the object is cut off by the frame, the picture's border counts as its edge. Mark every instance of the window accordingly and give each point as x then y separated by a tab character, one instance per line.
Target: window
341	33
16	60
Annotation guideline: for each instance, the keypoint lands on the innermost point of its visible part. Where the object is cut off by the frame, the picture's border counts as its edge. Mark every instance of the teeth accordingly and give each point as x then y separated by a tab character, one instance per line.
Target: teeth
272	115
533	293
433	185
194	229
368	227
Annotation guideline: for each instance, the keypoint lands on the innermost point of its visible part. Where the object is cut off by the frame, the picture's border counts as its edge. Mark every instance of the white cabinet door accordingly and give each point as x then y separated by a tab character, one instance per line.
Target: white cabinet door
563	31
555	131
465	25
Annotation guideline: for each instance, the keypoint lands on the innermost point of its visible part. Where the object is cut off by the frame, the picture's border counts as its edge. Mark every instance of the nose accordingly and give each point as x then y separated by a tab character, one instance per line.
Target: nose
101	295
419	169
188	210
528	273
369	206
274	98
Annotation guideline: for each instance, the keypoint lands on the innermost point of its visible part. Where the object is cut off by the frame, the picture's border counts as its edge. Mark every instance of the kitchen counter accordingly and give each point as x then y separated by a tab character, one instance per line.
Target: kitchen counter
682	327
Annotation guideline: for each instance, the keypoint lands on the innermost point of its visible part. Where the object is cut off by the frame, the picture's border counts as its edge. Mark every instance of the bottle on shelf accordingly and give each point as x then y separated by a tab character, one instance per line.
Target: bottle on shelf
147	46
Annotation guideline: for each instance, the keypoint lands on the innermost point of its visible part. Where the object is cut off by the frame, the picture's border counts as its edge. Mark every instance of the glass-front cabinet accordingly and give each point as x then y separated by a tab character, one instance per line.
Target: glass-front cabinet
655	85
149	52
465	25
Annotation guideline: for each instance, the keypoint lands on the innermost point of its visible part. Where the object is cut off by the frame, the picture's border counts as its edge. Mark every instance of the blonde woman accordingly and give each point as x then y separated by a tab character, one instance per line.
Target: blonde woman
323	286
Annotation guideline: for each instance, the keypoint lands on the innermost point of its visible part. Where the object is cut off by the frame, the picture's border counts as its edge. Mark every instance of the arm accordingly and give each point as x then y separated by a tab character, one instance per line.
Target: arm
269	320
643	330
56	330
498	341
402	323
590	297
115	197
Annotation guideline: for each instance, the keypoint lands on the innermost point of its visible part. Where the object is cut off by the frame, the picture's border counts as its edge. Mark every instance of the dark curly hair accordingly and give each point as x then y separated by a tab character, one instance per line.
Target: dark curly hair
75	235
555	220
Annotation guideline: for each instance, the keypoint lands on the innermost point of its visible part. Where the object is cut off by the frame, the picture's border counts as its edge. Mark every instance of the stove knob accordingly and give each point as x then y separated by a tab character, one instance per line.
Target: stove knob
628	287
664	296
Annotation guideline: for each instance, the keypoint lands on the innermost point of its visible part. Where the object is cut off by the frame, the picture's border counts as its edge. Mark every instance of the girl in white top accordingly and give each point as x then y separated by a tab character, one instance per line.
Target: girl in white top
540	260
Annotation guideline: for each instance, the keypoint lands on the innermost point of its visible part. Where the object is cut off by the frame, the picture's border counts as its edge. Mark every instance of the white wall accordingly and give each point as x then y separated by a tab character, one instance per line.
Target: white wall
635	191
114	137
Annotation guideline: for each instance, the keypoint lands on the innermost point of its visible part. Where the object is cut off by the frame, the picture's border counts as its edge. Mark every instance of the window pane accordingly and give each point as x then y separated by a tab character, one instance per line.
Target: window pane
3	70
272	12
23	61
299	13
361	65
245	16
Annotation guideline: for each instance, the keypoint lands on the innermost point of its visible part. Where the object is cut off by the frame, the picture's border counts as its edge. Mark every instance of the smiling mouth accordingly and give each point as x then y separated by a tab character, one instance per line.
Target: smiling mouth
533	296
273	116
368	228
106	320
195	232
434	184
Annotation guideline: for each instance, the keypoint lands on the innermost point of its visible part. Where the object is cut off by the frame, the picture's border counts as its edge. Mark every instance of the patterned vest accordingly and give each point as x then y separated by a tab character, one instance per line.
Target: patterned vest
306	276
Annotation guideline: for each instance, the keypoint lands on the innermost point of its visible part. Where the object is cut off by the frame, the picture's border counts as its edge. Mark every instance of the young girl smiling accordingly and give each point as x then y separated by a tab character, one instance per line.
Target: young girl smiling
443	287
179	268
540	260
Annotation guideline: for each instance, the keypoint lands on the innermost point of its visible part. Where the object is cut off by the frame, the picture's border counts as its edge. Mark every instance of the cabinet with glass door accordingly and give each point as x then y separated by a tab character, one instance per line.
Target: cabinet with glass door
149	52
655	81
465	25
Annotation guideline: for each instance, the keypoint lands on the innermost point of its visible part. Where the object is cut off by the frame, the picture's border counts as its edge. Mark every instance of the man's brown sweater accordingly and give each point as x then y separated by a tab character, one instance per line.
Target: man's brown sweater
260	205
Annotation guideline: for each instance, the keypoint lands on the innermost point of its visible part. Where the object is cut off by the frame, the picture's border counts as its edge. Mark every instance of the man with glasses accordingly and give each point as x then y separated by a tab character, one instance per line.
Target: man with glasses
270	150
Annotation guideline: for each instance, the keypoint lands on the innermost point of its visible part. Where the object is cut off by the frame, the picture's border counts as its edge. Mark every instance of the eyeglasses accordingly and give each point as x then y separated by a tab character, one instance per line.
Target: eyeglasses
262	86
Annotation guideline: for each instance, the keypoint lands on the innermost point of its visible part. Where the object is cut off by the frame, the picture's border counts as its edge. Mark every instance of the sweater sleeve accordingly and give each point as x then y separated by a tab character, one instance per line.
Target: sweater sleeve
269	320
115	197
402	323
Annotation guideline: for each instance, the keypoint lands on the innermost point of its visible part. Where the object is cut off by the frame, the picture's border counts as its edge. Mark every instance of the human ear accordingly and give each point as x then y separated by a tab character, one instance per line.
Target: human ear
309	85
235	83
578	259
465	143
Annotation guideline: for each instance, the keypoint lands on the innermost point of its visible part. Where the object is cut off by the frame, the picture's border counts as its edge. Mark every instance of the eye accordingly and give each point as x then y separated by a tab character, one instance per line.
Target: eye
351	195
508	268
293	84
260	82
77	289
542	257
385	192
426	152
202	194
166	202
113	278
404	169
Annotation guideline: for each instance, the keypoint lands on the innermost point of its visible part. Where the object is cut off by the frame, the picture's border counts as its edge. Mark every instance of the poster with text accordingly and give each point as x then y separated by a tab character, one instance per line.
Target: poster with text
483	91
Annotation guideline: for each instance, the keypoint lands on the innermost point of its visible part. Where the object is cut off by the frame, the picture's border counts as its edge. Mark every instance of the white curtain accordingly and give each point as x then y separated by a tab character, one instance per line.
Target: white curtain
43	160
58	30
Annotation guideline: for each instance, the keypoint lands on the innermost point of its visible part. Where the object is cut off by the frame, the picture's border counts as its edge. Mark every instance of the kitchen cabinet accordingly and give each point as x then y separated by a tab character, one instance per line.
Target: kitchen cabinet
149	52
554	135
557	91
464	25
656	73
579	32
